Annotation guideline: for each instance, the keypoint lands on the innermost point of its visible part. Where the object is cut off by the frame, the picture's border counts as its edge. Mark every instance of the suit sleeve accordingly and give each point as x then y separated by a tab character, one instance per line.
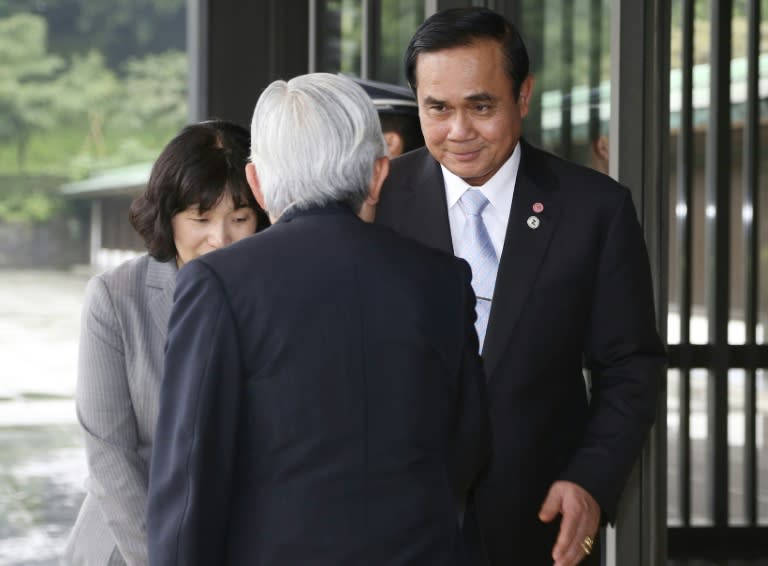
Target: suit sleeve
626	358
117	474
472	437
192	459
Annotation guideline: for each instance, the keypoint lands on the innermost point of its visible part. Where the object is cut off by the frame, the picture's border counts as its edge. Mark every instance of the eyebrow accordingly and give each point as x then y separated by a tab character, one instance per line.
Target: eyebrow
479	97
431	100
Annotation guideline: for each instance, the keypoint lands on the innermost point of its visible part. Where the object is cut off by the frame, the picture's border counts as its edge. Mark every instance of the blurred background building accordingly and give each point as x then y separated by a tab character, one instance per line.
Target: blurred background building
668	96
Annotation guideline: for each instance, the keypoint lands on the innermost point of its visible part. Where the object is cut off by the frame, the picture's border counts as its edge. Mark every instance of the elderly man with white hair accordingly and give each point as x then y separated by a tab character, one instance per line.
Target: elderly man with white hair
323	401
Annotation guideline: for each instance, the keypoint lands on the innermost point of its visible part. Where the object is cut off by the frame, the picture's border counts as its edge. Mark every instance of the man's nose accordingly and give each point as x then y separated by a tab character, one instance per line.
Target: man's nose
219	236
461	127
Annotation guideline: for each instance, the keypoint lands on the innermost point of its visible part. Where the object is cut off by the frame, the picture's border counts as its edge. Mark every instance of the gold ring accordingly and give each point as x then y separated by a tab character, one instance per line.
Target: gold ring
586	544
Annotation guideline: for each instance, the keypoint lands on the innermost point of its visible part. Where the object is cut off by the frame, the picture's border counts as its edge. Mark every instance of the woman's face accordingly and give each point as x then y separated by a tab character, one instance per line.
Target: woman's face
196	233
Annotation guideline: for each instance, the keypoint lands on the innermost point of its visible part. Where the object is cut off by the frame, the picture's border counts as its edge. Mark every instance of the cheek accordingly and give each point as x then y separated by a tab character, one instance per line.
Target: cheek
432	129
500	131
434	132
183	236
242	230
492	132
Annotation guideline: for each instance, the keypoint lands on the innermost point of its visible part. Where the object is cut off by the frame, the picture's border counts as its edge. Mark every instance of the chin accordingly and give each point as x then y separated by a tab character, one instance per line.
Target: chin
467	173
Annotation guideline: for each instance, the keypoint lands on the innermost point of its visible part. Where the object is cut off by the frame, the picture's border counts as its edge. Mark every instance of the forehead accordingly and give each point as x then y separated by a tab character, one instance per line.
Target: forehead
462	71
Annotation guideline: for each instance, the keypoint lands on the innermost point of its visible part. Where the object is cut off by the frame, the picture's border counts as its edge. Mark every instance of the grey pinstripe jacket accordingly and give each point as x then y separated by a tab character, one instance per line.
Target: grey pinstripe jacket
125	318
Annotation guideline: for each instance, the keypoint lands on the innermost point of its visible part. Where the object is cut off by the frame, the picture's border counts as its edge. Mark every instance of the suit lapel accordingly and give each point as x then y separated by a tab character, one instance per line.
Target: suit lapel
425	210
524	250
161	282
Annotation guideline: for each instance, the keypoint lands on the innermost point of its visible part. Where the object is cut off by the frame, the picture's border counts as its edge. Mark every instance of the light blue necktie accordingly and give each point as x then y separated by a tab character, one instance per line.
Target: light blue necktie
476	247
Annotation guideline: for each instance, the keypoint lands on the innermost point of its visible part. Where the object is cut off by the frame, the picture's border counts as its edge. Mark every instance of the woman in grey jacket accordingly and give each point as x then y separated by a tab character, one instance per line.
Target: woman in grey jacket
197	200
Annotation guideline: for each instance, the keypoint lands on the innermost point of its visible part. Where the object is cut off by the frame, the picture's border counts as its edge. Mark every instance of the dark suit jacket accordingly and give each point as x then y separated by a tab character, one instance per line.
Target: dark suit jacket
574	290
323	402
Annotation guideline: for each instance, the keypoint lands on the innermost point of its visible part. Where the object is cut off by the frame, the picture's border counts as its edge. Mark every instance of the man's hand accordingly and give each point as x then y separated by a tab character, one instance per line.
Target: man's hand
581	519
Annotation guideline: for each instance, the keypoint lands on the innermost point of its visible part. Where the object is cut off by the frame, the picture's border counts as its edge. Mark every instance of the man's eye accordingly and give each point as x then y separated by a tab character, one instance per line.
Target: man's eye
482	107
437	107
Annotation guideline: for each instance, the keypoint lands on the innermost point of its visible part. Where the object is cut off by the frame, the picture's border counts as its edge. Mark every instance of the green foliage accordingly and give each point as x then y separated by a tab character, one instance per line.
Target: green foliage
65	117
86	89
132	28
118	29
115	113
160	83
31	199
26	93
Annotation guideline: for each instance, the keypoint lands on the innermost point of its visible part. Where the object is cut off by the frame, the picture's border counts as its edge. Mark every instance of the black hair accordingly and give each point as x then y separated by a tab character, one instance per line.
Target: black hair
460	27
198	167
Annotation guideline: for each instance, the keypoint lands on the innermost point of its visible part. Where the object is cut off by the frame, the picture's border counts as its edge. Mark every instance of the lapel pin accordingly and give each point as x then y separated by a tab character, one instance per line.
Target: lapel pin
533	222
538	208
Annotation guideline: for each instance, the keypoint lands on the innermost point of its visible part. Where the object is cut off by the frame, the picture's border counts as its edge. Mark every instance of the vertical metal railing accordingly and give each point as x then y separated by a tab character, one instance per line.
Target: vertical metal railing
751	214
595	52
683	212
718	222
566	46
721	538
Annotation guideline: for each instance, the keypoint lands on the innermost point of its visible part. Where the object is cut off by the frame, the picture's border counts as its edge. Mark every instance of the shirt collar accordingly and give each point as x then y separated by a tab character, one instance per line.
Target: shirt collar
331	207
498	189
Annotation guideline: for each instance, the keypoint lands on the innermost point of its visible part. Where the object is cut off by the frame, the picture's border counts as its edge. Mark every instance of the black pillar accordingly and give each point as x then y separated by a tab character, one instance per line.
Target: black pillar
237	48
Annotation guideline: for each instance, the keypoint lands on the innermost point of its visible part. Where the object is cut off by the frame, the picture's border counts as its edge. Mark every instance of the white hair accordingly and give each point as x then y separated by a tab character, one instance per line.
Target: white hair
314	140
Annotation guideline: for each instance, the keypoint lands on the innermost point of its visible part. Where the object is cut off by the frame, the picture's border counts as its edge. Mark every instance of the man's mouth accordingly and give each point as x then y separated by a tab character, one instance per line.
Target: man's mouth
465	155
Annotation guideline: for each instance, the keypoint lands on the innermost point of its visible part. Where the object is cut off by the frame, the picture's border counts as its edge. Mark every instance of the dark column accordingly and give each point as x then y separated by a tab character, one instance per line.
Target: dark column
237	48
446	4
639	159
718	201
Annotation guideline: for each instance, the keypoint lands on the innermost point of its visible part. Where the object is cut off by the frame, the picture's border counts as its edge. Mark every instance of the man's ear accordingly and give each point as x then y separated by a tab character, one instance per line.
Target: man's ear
380	172
526	92
253	182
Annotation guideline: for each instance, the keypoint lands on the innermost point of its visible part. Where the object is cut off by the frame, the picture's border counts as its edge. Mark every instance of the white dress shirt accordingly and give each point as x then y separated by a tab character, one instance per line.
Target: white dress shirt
498	190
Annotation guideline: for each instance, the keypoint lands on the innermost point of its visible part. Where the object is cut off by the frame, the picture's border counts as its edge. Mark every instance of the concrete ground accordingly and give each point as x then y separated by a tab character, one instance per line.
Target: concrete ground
42	463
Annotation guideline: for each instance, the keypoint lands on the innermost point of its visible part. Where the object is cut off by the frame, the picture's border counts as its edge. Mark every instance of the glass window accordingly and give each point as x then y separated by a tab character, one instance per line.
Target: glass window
568	43
673	447
761	331
89	94
693	216
339	27
762	446
365	39
693	268
397	22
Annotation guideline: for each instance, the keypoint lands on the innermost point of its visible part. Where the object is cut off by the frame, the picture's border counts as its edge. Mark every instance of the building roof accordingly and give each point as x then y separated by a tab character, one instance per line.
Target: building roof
122	180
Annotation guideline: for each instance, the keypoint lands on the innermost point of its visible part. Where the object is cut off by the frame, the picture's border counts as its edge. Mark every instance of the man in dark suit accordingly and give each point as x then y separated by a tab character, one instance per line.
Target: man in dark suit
562	279
323	399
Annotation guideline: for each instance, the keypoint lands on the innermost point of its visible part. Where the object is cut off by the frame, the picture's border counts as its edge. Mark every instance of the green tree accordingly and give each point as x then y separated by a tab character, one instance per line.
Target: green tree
128	28
138	110
83	87
153	91
27	72
119	29
85	95
29	199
